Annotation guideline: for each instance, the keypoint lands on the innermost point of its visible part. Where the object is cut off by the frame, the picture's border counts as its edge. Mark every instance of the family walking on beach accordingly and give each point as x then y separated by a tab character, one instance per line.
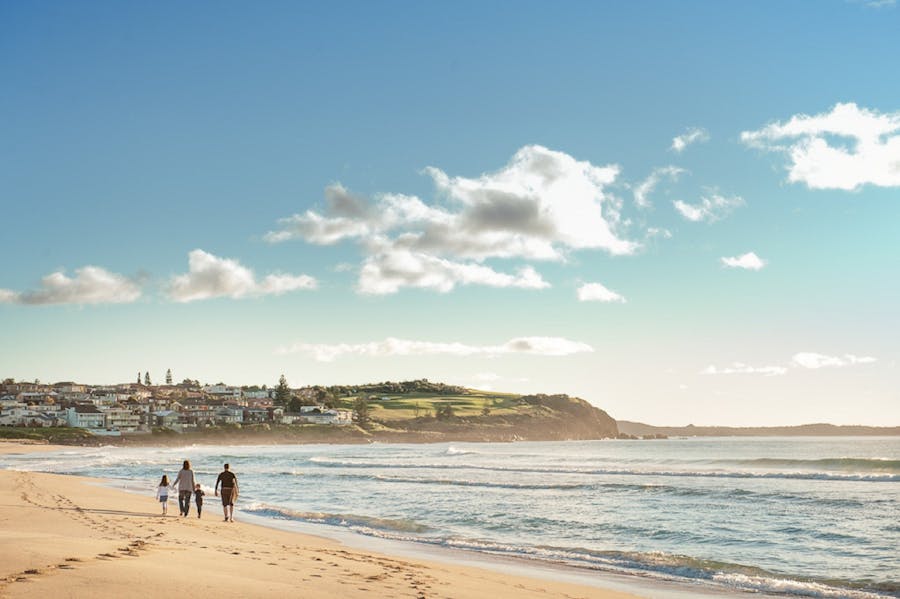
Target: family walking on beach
187	486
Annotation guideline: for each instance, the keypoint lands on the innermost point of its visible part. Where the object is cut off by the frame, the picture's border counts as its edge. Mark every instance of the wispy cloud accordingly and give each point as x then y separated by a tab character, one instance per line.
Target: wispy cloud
90	285
691	136
741	368
748	261
538	346
814	361
596	292
642	190
712	207
844	148
653	232
542	205
808	360
210	276
877	3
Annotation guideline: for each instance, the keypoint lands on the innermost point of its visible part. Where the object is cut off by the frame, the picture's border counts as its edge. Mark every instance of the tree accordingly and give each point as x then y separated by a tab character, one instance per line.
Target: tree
325	397
169	376
444	411
139	377
361	411
294	404
282	392
147	378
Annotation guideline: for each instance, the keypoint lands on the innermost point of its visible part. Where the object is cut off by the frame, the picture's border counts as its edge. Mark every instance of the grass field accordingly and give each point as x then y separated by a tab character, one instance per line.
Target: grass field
412	405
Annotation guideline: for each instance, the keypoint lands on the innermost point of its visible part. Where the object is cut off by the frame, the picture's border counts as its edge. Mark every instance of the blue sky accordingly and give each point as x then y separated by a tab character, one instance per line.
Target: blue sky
488	194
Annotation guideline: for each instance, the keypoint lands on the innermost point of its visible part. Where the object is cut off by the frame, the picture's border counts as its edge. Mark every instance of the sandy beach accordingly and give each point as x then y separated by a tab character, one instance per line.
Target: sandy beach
67	536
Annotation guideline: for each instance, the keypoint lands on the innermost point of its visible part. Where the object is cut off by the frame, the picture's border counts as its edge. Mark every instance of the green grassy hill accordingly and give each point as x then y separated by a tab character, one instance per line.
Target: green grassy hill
470	414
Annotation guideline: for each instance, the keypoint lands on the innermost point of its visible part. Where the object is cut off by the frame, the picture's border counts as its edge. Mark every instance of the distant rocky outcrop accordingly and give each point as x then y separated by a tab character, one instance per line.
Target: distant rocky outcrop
639	429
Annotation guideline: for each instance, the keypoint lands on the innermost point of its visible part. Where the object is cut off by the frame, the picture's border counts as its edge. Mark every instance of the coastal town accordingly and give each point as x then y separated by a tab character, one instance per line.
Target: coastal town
142	407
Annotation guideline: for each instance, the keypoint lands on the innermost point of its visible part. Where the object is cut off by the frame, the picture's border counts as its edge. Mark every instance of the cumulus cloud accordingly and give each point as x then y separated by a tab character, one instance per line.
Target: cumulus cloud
596	292
644	188
394	268
712	207
90	285
690	136
542	205
209	276
815	361
348	216
539	346
845	148
748	261
741	368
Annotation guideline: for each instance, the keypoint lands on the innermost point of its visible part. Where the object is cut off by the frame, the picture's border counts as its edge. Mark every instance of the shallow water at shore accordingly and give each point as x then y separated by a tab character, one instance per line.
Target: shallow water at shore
808	517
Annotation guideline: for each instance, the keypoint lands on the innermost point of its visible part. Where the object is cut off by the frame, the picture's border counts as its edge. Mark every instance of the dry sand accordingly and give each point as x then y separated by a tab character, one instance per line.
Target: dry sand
66	536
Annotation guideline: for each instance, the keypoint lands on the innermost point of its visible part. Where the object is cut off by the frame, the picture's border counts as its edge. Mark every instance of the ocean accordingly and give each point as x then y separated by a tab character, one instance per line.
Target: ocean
812	517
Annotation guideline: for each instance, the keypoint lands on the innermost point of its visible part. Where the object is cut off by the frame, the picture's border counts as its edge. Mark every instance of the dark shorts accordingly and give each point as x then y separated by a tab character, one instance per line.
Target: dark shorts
227	495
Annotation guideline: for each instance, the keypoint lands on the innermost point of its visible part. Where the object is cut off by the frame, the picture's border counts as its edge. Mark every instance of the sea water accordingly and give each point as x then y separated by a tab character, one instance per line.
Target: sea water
816	517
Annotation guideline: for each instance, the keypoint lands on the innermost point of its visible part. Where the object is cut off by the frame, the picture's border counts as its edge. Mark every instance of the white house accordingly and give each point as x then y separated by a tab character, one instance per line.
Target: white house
230	414
323	415
84	416
26	417
121	419
223	391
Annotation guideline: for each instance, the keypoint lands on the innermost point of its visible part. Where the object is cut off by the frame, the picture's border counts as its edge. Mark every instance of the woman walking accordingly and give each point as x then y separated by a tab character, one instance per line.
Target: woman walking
185	482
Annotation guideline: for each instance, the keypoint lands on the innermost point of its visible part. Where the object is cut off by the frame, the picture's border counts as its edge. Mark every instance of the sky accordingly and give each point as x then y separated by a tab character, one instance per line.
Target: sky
684	213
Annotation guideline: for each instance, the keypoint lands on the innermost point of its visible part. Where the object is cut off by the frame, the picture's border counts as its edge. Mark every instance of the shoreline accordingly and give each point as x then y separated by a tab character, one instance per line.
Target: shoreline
75	536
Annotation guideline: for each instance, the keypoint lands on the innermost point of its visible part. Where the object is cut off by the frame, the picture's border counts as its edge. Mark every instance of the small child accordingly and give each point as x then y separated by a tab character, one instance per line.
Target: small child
198	497
162	494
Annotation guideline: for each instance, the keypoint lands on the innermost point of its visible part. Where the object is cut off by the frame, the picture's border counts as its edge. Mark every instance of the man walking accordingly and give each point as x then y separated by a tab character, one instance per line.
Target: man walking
184	482
229	492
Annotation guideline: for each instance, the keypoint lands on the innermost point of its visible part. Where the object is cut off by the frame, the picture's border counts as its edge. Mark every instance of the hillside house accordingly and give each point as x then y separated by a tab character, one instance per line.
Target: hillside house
121	419
323	415
85	416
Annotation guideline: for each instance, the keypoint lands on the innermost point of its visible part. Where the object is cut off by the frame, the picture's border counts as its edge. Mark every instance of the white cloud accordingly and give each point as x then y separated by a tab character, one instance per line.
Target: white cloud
210	276
542	205
712	207
540	346
596	292
643	189
842	149
394	268
90	285
748	261
690	136
814	361
741	368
